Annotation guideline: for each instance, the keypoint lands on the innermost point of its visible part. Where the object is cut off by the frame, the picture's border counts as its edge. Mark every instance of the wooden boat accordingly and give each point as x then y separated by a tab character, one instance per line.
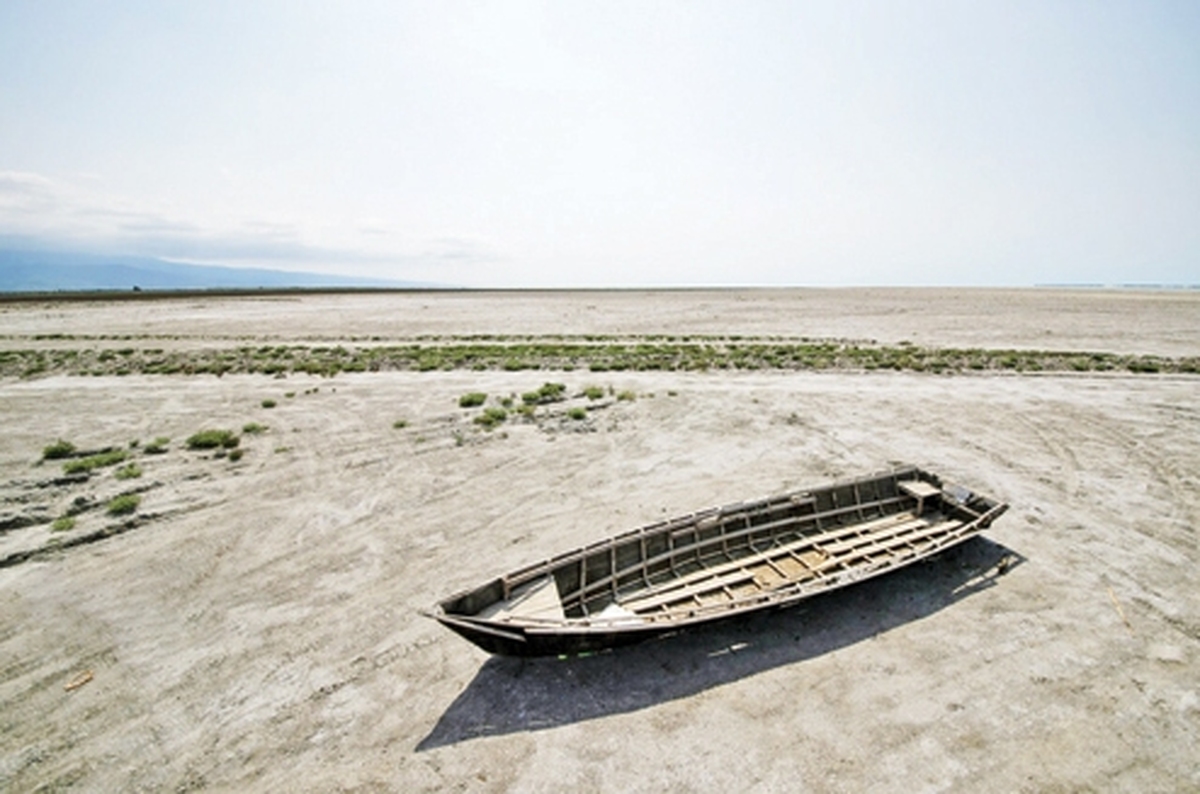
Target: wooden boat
718	563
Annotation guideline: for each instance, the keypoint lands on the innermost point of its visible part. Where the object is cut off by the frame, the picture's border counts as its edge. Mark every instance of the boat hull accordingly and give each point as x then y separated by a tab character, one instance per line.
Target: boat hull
717	564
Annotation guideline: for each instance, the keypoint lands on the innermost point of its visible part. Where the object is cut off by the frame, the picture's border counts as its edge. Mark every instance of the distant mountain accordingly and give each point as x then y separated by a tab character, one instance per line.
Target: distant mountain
46	271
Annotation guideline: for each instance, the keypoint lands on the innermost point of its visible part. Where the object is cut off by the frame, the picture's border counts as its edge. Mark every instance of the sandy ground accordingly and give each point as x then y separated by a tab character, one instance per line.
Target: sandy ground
1114	321
255	626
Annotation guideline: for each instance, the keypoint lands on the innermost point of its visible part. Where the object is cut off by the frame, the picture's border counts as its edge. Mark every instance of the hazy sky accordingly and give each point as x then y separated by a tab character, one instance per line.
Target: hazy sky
612	143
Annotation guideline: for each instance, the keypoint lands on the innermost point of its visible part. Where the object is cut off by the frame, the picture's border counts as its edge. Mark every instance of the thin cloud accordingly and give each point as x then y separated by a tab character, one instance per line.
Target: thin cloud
40	212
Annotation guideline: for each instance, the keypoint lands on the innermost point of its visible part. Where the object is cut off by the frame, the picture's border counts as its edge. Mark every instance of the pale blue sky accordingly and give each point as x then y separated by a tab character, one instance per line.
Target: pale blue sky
612	143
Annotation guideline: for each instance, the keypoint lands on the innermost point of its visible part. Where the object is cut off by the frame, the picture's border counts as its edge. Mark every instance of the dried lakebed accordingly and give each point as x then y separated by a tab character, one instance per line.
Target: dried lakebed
258	629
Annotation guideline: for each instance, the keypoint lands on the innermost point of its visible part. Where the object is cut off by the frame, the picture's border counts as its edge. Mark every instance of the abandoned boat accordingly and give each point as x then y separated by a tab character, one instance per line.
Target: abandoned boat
717	563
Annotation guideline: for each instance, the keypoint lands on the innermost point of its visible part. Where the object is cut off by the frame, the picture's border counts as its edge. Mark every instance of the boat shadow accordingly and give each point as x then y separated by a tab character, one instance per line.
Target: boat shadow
509	695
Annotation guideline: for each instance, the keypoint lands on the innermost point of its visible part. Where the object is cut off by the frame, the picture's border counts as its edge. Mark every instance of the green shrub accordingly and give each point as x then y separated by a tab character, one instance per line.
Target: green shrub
253	428
130	472
627	396
58	450
593	392
211	439
158	446
472	400
491	417
124	504
97	461
63	523
268	403
235	455
400	424
548	393
577	413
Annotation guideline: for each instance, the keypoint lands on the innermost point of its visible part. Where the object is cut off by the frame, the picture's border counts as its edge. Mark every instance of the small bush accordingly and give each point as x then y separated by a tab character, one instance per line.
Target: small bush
130	472
63	523
400	424
211	439
58	450
92	462
290	394
577	413
253	428
472	400
548	393
491	417
268	403
124	504
627	396
593	392
158	446
235	455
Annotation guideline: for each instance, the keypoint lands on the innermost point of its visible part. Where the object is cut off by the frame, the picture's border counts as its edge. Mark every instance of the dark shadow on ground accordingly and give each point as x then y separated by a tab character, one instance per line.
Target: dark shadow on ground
509	695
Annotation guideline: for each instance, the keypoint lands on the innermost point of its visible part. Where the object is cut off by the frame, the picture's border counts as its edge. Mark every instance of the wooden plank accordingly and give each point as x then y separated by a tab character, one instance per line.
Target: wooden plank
890	542
885	532
919	488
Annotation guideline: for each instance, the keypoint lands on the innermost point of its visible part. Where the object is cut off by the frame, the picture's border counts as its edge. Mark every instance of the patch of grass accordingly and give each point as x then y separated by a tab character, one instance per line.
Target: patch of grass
212	439
577	413
269	403
400	424
472	400
491	417
63	523
97	461
253	428
626	396
236	454
548	393
593	392
158	446
58	450
130	472
123	504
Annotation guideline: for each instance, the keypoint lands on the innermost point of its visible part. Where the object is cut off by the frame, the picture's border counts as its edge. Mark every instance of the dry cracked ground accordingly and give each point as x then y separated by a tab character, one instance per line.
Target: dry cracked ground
252	623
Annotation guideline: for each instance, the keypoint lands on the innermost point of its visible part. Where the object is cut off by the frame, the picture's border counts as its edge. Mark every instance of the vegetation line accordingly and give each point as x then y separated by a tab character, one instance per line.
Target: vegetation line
596	354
